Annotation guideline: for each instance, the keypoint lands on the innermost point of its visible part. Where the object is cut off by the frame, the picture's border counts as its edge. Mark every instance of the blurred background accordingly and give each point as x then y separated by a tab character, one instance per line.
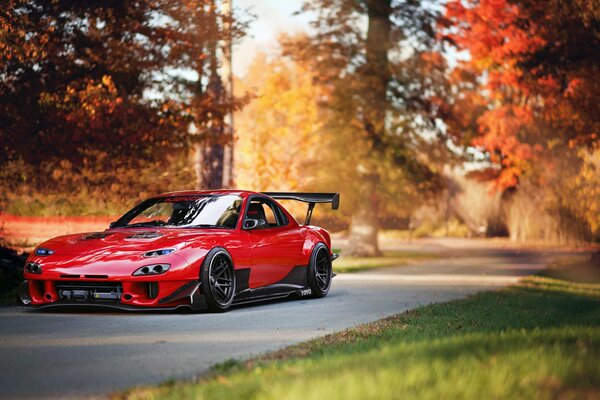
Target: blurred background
460	118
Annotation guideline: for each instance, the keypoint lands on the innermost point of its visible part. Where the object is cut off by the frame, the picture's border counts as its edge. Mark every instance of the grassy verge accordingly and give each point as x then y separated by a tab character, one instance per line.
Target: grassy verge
540	339
388	259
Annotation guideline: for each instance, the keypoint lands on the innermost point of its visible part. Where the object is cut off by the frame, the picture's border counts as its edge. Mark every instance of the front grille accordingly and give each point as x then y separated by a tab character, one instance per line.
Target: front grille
152	290
89	292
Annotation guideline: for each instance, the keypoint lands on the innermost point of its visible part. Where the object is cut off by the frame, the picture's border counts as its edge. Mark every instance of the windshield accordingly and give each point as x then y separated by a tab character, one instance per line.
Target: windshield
202	211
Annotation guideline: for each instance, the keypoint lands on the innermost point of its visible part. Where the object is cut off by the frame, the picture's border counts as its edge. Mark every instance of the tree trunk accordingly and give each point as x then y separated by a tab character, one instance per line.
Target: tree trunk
362	241
213	157
375	75
213	161
227	68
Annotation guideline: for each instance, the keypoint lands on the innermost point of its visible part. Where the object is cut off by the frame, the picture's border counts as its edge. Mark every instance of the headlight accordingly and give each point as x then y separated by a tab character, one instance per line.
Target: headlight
33	268
40	251
154	269
156	253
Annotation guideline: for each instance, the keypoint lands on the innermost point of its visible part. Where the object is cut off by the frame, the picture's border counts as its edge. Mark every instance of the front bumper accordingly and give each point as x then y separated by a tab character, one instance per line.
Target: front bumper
128	296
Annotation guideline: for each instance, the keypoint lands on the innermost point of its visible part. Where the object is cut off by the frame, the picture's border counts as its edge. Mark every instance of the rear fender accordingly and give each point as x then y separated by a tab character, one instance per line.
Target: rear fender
314	235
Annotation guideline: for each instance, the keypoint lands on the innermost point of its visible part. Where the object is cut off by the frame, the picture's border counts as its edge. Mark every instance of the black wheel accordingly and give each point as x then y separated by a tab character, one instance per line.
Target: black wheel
319	271
218	280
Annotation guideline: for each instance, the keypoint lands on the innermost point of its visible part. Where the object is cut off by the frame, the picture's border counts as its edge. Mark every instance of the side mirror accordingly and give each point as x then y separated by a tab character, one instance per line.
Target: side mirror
250	224
112	224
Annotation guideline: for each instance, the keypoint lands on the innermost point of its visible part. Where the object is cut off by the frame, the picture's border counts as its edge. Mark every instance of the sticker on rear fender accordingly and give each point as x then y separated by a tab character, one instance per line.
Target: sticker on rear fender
305	292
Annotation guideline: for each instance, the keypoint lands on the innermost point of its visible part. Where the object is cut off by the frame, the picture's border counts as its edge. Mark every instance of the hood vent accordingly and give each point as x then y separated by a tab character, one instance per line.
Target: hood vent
145	235
96	235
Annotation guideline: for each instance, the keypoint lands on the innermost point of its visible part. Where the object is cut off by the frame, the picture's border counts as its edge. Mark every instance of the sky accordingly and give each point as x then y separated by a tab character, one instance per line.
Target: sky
272	18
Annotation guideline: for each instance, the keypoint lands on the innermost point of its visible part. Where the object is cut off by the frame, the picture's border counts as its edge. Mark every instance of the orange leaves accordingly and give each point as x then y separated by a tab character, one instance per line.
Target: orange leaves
520	110
574	86
90	104
433	59
491	31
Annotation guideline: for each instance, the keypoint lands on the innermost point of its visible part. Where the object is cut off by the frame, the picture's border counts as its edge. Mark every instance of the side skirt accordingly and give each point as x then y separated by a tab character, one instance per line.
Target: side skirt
280	295
293	283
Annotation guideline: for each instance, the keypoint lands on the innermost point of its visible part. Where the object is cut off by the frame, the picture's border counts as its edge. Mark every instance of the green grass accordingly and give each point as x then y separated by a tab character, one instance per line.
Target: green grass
388	259
540	339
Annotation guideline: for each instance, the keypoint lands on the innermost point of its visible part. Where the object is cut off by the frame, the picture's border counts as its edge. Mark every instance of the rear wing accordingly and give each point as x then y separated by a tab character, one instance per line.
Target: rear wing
310	198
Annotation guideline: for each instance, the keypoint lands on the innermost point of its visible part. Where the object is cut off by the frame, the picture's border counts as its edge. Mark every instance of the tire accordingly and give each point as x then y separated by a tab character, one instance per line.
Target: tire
218	280
319	271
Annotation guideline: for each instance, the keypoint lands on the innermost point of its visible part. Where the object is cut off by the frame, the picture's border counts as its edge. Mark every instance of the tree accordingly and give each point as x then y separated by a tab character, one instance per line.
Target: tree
531	62
531	102
279	148
207	29
380	88
107	82
58	57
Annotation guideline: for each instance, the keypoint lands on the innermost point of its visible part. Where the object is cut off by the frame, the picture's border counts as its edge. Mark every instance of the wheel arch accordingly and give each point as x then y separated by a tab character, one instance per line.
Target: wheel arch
210	253
312	237
213	298
318	271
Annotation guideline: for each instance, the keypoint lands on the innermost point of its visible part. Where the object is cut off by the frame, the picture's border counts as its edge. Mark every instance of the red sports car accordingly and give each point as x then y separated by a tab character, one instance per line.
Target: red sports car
202	250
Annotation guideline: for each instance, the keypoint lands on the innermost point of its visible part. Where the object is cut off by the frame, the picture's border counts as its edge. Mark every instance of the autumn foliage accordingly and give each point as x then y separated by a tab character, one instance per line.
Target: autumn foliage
534	68
528	95
103	93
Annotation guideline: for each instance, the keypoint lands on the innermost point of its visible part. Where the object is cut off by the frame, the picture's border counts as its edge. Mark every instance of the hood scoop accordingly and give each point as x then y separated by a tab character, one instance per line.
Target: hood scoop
96	235
145	235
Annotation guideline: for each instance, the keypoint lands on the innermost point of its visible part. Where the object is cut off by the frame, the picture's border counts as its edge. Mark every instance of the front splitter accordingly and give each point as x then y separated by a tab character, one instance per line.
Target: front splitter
190	290
96	306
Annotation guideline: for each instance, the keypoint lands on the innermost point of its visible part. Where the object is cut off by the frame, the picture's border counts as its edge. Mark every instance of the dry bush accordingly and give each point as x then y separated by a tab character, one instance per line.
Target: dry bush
529	220
60	188
476	204
562	207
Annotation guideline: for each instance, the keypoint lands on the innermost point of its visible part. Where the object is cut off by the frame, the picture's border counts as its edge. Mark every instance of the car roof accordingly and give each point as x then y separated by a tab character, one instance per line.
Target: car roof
242	193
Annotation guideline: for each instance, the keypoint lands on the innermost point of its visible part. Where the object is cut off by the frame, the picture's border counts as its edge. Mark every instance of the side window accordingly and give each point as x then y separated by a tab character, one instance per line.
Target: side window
271	219
264	211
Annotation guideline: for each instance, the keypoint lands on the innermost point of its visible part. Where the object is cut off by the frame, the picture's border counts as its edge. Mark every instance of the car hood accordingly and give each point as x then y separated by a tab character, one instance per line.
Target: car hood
126	240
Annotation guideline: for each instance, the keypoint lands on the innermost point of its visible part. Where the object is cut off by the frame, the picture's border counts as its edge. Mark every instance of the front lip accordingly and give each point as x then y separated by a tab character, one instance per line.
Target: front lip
108	307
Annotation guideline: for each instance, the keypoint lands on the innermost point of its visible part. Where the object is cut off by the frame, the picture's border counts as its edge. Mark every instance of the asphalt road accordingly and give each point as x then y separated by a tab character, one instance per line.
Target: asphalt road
77	355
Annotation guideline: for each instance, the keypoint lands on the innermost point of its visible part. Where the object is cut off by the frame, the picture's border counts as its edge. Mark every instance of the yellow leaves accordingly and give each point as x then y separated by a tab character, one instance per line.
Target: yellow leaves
278	129
107	81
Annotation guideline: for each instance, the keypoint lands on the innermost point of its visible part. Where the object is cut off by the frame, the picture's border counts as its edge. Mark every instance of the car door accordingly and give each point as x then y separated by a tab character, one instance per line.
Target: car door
275	243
